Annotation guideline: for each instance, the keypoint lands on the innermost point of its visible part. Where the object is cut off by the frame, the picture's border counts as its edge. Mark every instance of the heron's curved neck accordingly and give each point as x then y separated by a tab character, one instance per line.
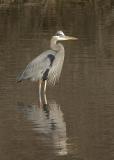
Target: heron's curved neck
56	46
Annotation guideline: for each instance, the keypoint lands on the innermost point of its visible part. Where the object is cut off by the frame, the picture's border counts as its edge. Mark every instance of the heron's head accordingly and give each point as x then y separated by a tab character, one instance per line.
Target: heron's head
60	36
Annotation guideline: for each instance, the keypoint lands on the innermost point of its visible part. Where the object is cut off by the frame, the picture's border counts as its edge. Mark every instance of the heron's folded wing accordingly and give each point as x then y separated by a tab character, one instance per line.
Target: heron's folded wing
36	68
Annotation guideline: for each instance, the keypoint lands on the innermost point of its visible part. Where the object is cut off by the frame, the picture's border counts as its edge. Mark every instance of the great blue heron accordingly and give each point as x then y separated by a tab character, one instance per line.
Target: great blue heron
47	66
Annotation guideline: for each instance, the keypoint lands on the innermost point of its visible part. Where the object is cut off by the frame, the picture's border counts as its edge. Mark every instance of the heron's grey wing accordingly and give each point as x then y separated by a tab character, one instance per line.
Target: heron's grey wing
37	67
55	71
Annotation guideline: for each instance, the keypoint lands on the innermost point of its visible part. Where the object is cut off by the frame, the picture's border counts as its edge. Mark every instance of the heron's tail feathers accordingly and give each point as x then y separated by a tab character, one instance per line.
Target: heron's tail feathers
20	78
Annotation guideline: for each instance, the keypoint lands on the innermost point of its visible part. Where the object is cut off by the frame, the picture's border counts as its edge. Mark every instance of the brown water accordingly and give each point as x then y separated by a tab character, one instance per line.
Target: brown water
78	122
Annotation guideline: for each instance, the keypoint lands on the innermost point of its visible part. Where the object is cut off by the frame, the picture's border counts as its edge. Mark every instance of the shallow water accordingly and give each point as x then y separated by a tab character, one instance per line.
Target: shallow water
77	123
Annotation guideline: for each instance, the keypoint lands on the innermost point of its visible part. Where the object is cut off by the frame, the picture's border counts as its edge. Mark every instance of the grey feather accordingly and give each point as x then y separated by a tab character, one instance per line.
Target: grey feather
35	69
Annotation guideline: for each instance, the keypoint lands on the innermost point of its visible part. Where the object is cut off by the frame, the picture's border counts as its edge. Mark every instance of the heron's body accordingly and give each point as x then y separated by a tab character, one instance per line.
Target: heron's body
48	65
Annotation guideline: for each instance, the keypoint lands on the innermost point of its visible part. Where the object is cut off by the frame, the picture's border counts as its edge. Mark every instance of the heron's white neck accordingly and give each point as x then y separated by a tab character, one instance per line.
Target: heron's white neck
56	46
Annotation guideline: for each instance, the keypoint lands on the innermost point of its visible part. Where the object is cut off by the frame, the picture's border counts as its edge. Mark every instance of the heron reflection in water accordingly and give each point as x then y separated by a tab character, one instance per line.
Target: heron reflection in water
49	123
48	65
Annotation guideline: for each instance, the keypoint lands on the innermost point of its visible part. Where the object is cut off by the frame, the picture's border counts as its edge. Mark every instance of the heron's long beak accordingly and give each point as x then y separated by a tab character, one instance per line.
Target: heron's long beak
70	38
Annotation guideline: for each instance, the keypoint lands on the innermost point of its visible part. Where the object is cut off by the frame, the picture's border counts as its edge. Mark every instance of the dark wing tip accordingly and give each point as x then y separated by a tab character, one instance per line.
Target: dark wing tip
19	78
17	81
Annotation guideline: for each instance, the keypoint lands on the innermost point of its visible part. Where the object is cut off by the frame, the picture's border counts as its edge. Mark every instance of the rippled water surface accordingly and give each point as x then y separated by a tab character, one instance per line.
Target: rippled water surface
78	122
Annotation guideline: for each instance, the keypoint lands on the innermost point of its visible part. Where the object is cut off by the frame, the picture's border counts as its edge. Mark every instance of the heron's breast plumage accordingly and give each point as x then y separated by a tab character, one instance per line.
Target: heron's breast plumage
55	70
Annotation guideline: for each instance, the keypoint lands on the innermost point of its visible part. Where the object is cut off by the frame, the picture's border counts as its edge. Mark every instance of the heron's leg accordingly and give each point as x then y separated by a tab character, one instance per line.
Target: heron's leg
45	85
45	99
40	88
